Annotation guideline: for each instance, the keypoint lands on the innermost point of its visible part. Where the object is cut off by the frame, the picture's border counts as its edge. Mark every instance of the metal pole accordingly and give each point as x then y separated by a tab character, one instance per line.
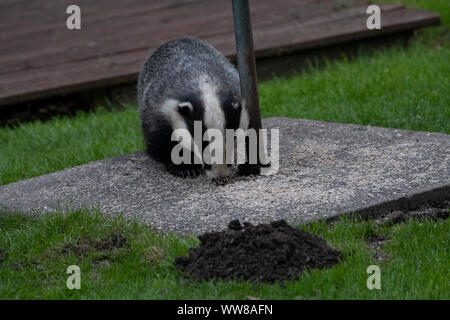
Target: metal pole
246	60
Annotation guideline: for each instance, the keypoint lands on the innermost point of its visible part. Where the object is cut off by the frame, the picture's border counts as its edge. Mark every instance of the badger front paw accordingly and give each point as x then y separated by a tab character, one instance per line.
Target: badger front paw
185	170
247	169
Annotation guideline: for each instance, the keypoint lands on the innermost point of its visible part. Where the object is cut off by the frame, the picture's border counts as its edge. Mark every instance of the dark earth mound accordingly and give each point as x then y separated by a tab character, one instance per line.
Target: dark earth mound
265	253
433	211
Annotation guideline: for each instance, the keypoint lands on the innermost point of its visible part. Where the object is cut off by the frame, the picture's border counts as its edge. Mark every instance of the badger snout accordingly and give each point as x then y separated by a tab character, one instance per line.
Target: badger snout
218	171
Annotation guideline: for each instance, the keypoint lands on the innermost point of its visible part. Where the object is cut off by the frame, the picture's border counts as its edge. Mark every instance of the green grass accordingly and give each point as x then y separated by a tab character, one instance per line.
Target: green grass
399	87
36	148
35	266
395	88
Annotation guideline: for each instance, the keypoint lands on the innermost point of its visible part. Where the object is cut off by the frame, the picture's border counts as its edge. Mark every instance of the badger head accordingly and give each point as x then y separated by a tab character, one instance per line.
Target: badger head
216	107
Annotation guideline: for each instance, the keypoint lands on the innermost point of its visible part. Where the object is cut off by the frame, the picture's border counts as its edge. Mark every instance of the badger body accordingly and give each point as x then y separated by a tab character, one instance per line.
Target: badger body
183	81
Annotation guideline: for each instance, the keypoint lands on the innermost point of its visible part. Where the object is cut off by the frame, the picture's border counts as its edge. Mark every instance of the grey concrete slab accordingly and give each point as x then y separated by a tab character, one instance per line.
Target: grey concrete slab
325	169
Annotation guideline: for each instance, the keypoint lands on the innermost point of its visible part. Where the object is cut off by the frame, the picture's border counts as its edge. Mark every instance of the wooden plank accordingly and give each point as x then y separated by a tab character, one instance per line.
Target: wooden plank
74	76
275	36
347	30
135	36
79	75
288	38
101	23
130	33
91	12
39	14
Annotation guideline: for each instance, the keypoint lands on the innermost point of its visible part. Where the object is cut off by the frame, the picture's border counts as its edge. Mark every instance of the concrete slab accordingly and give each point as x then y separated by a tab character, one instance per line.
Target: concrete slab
325	169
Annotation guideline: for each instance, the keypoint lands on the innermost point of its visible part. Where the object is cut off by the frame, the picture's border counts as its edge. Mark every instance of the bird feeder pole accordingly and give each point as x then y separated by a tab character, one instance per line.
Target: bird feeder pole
246	60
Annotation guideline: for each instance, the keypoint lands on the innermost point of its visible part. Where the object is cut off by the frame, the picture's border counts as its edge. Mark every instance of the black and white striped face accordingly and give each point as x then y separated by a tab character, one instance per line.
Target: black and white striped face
216	109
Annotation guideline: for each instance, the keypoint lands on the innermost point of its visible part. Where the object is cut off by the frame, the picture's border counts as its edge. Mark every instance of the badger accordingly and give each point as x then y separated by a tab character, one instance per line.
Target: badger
183	81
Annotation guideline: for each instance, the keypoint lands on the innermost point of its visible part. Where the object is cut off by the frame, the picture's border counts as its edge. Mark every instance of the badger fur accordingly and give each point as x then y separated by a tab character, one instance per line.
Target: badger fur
183	81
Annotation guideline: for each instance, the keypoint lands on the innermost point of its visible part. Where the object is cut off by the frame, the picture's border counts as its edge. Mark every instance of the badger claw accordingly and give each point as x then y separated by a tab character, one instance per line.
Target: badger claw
184	171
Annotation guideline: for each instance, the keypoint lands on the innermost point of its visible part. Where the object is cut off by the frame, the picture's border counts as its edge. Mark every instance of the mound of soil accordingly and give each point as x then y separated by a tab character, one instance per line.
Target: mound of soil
265	253
434	211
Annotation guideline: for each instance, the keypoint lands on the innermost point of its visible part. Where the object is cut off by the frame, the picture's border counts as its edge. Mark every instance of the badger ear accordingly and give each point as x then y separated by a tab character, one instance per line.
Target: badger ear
185	108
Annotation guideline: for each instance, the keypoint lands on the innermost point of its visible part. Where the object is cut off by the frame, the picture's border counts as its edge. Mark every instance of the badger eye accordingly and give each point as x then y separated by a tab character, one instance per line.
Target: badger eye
236	106
185	109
